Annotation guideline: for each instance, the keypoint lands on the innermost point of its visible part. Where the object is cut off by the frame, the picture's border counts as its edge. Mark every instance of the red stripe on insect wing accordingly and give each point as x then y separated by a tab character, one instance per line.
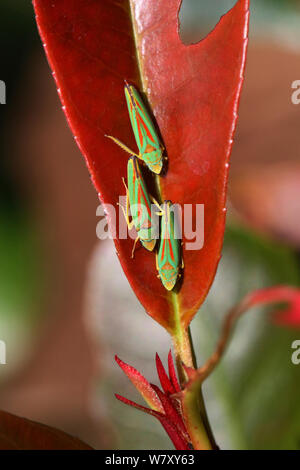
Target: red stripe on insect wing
167	238
146	204
143	199
140	212
141	137
171	251
163	249
143	119
139	106
145	222
149	134
133	178
141	114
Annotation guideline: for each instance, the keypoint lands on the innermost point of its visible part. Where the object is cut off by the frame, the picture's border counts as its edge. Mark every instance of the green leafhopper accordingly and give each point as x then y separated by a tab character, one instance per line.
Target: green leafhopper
150	148
138	200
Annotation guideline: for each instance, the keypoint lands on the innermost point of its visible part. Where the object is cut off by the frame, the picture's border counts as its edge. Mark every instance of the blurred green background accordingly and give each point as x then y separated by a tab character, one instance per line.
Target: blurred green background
57	281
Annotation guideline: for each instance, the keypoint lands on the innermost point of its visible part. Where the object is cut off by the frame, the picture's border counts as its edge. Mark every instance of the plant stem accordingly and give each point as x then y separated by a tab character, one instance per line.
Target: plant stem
196	419
195	415
201	402
183	353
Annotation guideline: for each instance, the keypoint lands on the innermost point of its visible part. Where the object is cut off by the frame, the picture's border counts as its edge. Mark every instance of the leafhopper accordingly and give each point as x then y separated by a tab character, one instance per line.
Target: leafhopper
148	142
138	201
168	258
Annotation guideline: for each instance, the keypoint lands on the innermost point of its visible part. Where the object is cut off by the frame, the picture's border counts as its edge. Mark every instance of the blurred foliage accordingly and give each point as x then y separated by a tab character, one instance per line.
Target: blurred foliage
256	383
18	268
198	17
20	283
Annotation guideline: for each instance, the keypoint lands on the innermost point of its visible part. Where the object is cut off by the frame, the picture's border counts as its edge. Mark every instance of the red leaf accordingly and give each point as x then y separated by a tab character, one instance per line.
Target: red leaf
22	434
178	441
166	384
142	385
172	373
194	93
171	412
176	438
289	316
149	411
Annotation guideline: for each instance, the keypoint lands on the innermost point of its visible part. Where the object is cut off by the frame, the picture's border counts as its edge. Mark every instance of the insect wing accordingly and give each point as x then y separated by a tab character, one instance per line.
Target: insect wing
140	205
169	250
144	131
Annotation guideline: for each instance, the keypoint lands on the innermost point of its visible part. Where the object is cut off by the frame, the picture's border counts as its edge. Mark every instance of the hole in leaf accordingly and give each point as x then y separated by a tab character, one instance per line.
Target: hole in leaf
199	17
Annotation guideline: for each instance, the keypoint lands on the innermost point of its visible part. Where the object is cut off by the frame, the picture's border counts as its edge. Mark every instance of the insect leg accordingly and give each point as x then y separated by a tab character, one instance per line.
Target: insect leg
134	245
126	210
157	205
123	146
